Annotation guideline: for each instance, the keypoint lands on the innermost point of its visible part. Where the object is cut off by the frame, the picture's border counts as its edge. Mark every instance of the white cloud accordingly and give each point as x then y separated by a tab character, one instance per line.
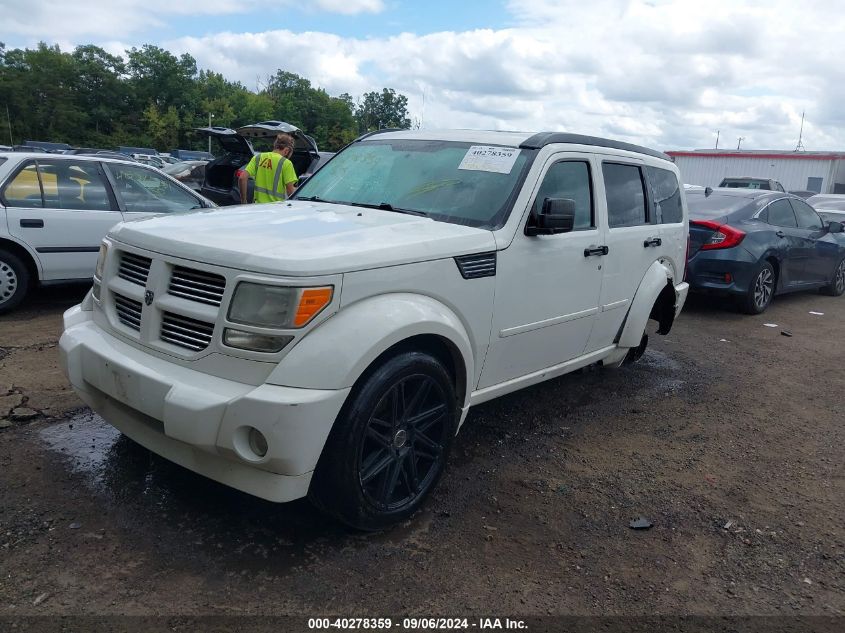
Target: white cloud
665	73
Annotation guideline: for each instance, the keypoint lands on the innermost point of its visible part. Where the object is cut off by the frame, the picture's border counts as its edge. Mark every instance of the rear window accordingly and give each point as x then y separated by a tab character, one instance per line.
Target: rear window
714	205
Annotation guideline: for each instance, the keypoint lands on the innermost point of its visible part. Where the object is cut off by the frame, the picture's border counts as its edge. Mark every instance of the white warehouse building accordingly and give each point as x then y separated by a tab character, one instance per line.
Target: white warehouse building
822	172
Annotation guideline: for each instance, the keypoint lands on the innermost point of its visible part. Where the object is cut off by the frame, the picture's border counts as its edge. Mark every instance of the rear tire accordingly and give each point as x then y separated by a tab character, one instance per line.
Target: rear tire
761	291
14	281
389	445
837	285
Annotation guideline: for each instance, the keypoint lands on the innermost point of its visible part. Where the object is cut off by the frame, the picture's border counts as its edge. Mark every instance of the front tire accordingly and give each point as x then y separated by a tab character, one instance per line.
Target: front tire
389	445
761	291
14	281
837	285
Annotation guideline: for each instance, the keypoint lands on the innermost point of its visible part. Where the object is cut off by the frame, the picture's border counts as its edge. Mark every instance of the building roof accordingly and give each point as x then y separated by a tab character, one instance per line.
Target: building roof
757	153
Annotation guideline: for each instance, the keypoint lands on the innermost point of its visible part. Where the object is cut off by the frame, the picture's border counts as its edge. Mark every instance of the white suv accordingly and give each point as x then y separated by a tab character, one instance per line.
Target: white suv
332	345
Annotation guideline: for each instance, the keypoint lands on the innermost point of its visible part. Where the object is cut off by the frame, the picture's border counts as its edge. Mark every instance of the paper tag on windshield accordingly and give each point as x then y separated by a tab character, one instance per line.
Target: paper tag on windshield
490	158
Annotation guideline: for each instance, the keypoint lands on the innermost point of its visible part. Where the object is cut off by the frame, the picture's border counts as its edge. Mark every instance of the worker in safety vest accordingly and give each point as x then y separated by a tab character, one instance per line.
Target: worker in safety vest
273	172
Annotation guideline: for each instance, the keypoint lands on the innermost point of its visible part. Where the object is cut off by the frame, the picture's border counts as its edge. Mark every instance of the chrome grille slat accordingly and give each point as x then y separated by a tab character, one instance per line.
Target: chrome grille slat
134	268
186	332
197	285
128	311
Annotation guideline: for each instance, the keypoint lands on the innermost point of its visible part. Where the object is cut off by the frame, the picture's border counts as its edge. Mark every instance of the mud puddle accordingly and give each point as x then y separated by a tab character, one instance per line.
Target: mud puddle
185	514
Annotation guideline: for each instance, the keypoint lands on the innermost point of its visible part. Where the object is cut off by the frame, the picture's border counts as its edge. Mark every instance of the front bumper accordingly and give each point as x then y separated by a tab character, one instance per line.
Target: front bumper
200	421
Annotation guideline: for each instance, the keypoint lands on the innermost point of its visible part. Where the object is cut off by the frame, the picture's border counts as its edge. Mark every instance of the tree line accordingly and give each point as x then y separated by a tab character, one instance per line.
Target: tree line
152	98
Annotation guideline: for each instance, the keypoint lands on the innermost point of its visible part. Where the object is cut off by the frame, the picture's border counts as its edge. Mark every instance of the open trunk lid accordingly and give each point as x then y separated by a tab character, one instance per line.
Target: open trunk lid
229	139
268	129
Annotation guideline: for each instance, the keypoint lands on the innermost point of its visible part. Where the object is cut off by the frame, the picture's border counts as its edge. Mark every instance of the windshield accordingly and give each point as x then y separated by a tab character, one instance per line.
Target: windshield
448	181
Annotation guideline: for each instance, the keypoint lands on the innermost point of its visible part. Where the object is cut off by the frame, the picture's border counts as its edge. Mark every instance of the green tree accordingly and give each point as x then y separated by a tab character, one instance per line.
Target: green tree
385	109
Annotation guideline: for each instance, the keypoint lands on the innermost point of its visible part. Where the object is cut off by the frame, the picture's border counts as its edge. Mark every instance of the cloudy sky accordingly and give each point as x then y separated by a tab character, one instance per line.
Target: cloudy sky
665	73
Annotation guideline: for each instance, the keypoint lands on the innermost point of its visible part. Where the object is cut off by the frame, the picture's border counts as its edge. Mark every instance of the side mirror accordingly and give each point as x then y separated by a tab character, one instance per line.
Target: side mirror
835	227
556	216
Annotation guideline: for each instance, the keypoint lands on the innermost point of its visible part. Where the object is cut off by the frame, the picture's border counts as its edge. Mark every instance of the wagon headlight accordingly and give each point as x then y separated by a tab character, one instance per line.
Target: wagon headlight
277	307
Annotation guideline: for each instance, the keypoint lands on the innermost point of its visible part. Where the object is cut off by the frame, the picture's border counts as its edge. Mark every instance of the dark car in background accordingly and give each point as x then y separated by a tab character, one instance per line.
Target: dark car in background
754	244
766	184
221	174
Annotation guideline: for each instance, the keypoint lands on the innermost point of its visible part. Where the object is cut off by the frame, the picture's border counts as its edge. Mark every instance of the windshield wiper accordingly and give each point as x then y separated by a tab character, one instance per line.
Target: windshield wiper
314	199
386	206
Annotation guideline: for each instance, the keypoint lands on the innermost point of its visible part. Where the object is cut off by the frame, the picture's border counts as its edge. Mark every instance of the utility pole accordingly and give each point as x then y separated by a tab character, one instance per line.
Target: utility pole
800	146
739	141
717	139
9	119
210	116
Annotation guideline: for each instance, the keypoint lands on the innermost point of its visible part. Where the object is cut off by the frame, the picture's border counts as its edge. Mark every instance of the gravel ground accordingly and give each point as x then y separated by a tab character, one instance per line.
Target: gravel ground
727	436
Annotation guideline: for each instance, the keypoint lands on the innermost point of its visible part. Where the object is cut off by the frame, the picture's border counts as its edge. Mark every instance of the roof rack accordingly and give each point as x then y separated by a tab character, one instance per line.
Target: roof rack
546	138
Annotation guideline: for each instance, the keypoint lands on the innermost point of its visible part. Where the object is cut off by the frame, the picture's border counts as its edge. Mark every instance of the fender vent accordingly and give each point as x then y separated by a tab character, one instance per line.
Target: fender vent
475	266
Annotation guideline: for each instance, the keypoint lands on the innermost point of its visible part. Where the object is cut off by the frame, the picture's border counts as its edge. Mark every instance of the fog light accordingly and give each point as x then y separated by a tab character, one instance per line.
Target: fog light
257	442
255	342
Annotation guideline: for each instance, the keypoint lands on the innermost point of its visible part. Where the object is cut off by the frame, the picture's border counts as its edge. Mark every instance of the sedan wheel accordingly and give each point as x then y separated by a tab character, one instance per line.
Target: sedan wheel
764	286
14	281
762	289
836	287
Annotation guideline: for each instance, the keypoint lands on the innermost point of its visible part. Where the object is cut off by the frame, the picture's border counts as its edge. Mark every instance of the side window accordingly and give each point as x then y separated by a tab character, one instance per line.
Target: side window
763	216
143	190
569	179
24	190
666	196
625	195
780	213
806	216
74	185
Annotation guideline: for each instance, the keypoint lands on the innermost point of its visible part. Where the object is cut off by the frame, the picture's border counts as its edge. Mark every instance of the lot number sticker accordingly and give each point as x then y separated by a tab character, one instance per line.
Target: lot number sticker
489	158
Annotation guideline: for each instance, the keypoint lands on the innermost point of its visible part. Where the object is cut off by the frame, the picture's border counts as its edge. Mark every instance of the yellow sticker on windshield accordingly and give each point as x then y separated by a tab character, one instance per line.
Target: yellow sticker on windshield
490	158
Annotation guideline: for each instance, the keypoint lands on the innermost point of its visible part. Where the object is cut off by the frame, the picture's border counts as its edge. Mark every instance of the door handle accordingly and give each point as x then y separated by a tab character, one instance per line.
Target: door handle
780	233
652	241
596	250
29	223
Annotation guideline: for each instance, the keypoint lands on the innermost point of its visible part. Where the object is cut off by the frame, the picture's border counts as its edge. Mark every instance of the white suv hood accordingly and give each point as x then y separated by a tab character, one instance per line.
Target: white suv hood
302	238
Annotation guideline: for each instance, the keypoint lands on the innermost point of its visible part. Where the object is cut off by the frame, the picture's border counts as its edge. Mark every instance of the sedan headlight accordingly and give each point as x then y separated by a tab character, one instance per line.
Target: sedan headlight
101	260
278	307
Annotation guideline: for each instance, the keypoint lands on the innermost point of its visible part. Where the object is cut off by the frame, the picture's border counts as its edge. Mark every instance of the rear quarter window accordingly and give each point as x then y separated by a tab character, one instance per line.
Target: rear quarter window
666	196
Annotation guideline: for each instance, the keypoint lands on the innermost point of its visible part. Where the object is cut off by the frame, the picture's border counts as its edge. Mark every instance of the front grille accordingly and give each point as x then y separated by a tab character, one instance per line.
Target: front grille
128	311
186	332
134	268
197	285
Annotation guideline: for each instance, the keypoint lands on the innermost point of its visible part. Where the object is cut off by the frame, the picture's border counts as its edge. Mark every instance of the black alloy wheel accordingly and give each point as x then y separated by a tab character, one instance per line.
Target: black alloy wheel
390	443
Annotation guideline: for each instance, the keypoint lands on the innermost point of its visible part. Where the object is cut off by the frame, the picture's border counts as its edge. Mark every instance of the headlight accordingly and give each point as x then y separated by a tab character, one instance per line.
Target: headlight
279	307
101	260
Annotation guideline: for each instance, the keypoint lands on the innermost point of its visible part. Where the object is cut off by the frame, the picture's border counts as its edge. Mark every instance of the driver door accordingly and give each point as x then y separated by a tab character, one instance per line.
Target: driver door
548	286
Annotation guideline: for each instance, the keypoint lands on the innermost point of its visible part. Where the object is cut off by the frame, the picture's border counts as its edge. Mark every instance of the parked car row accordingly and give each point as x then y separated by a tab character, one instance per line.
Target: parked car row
56	209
